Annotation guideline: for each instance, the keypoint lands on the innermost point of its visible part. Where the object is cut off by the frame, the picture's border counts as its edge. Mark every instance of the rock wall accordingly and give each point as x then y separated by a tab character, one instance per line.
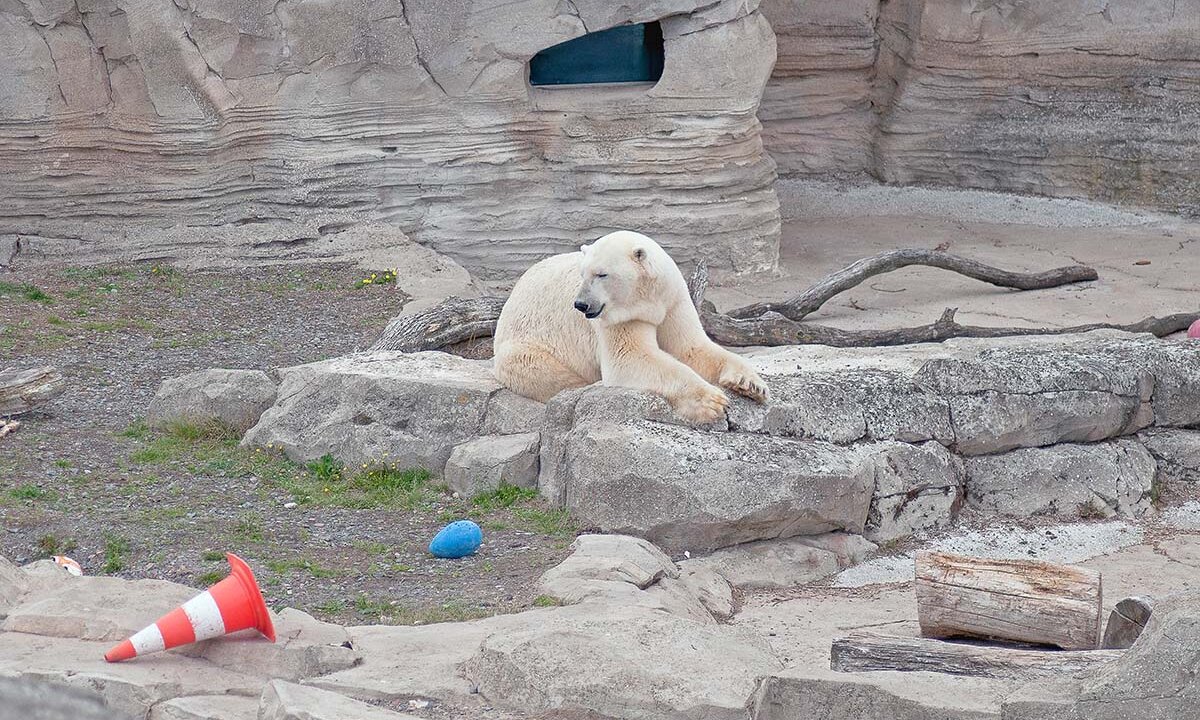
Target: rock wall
1069	98
131	128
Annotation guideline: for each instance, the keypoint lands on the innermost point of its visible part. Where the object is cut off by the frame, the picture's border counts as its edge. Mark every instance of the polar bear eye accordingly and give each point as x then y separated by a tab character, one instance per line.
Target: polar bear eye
601	275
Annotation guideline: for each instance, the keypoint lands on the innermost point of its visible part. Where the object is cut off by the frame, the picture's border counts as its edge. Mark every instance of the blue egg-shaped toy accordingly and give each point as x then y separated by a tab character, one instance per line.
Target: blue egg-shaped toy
458	539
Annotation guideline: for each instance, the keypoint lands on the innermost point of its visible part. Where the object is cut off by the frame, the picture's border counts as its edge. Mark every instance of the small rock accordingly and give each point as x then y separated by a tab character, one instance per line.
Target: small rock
236	398
484	464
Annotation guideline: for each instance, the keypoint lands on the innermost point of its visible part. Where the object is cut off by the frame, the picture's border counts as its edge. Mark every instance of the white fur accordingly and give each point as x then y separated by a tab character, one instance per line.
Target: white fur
647	334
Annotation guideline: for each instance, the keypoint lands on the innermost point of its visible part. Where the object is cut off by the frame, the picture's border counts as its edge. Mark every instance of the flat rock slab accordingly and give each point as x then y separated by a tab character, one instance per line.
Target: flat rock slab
769	564
383	407
207	707
635	664
288	701
96	608
131	688
980	396
1065	481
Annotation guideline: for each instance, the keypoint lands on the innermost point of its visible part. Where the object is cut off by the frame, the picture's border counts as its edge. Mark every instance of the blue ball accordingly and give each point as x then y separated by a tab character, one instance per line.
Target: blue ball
458	539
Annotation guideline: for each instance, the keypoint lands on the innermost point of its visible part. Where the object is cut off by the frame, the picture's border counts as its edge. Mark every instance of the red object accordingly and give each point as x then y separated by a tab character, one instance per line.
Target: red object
234	604
1194	330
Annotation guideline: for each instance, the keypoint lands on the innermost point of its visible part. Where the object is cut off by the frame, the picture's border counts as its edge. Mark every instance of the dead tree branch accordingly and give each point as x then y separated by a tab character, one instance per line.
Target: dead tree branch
774	329
457	320
813	298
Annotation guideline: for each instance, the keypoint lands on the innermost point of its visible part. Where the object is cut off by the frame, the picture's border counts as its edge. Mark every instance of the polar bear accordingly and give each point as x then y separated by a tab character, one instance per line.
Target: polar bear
619	312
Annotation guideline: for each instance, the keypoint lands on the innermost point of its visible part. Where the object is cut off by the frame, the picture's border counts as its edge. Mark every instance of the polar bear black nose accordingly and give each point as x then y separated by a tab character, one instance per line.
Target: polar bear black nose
581	306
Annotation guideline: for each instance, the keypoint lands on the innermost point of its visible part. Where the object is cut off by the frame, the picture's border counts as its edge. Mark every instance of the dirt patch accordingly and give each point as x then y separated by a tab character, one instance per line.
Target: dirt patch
84	477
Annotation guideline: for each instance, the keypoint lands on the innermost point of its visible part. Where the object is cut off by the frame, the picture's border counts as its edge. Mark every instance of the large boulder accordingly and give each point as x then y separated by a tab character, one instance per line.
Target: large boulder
1064	481
917	487
382	407
614	457
234	398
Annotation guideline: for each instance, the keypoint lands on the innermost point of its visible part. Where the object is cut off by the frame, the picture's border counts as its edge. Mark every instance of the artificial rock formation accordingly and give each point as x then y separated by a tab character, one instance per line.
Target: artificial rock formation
1074	98
877	442
298	129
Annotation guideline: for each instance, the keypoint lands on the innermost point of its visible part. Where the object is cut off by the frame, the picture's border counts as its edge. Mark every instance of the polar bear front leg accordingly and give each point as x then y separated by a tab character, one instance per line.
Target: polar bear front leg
729	370
630	357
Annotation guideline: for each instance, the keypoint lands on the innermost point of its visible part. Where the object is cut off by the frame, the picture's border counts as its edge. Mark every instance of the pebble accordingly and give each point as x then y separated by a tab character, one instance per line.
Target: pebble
290	505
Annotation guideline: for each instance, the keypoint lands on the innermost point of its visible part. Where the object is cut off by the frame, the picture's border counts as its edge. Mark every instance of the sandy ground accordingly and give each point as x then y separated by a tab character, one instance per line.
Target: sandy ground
1146	261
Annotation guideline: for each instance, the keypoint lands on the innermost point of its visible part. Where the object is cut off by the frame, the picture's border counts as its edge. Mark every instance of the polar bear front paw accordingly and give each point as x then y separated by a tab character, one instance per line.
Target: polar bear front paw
744	381
702	405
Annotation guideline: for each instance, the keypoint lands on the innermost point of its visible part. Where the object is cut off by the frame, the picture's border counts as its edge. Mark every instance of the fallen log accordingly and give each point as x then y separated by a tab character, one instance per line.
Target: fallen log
1026	601
450	322
23	390
854	274
871	652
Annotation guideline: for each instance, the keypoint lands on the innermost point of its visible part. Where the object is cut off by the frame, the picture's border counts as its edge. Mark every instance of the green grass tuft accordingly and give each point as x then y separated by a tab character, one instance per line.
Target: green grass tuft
115	549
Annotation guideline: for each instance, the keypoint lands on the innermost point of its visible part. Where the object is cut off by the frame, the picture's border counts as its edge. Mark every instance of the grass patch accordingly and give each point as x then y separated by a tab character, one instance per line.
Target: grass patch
326	469
249	528
394	613
331	607
285	566
115	550
32	492
504	496
207	579
54	545
179	440
546	601
554	523
25	291
372	548
212	556
162	514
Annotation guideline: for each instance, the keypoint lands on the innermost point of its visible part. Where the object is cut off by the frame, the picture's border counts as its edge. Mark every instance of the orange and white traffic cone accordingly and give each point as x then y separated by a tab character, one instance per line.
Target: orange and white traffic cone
233	604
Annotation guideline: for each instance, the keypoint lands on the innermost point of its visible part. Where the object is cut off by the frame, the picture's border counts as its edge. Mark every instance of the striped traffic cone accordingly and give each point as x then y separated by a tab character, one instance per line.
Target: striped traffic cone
233	604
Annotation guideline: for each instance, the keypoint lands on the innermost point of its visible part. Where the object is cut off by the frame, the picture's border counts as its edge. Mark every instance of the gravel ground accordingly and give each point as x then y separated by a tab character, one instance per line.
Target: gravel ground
83	478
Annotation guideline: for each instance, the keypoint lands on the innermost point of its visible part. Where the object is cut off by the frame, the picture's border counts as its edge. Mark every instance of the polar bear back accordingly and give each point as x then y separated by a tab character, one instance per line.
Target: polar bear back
541	310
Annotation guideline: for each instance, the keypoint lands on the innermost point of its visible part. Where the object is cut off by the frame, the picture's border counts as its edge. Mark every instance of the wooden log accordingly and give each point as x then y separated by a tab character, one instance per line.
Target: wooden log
452	321
1026	601
871	652
22	390
1126	622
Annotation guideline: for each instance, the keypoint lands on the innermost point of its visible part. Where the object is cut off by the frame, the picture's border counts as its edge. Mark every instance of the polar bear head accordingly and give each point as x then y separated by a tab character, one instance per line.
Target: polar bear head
621	279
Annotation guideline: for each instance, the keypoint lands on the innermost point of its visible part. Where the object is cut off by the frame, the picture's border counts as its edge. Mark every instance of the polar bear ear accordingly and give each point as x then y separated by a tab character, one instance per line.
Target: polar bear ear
585	249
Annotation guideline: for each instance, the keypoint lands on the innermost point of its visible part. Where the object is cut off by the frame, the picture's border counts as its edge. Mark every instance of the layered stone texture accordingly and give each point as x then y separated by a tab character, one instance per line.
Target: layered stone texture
1085	98
881	443
272	130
